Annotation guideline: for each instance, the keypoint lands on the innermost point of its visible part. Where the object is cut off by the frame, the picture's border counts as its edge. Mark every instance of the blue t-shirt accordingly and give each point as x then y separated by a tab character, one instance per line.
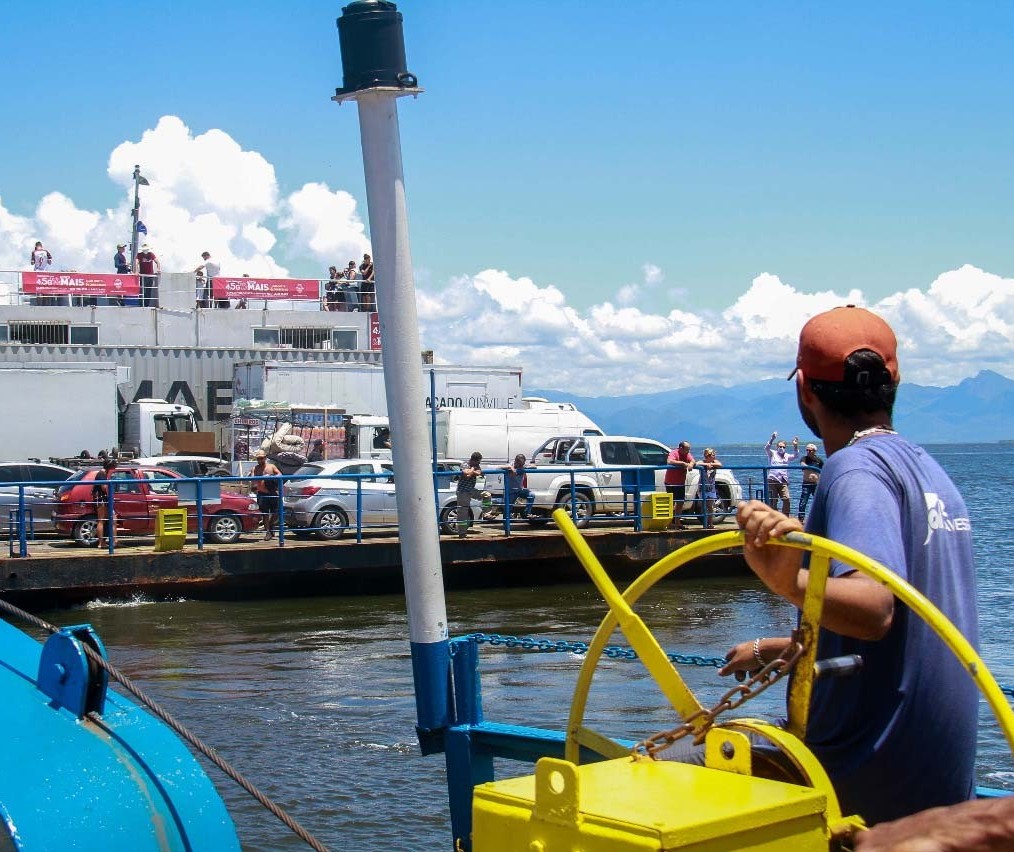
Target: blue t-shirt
898	736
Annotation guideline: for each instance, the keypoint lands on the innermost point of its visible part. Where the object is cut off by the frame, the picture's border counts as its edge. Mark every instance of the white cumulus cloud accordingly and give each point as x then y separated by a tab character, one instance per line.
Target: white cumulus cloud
961	323
207	192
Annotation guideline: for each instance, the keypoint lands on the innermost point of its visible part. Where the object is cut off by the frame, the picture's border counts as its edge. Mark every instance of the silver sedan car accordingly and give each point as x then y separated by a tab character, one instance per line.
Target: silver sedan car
40	499
325	498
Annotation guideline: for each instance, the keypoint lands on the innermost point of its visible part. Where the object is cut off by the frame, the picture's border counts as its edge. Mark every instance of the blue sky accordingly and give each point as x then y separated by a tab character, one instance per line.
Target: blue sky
650	156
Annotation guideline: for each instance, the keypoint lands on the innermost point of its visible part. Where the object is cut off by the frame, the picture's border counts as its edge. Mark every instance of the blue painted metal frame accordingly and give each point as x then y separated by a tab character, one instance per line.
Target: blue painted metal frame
470	743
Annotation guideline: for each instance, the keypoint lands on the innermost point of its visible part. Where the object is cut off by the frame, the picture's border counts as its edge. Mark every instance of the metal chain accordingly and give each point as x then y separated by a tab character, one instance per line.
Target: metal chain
615	652
178	727
698	724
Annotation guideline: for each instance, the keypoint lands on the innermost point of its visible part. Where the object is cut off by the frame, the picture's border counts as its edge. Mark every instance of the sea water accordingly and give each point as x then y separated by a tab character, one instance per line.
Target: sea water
312	698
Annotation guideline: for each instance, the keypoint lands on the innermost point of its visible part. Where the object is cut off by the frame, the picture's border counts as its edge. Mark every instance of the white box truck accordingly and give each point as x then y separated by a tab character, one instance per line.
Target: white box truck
57	410
359	388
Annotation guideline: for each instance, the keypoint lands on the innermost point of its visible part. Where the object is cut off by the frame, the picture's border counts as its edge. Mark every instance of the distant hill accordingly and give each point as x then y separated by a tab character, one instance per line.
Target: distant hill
979	409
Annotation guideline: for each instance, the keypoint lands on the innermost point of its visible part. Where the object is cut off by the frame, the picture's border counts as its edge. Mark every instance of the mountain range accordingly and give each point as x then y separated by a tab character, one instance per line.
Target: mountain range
978	410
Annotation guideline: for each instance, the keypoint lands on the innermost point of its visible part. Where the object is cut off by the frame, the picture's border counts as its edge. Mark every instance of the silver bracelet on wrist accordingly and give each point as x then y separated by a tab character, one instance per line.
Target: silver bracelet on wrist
756	652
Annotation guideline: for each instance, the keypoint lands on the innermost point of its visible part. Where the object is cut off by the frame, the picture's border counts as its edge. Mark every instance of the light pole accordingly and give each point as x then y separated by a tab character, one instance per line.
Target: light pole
139	181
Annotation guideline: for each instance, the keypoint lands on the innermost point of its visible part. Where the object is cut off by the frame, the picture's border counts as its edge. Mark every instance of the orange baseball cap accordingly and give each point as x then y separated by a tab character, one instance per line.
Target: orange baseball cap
829	338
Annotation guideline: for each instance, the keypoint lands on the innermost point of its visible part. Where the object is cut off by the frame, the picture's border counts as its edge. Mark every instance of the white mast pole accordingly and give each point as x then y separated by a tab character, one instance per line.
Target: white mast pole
403	376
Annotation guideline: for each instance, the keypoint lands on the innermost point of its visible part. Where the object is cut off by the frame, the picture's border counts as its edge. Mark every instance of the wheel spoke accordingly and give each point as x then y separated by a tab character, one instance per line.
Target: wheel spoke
600	743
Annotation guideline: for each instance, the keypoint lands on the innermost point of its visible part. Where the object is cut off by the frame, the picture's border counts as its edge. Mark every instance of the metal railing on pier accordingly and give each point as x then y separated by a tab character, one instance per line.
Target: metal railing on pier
225	509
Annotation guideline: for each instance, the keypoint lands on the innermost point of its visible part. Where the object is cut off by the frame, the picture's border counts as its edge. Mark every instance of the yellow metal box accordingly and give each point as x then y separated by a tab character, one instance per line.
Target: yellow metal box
170	529
627	804
656	511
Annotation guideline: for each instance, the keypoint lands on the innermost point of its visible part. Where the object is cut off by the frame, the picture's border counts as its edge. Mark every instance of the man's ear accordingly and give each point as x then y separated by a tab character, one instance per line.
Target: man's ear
803	388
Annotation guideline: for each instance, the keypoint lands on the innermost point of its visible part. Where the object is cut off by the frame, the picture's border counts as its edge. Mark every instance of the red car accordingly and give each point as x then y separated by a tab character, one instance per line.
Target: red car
136	501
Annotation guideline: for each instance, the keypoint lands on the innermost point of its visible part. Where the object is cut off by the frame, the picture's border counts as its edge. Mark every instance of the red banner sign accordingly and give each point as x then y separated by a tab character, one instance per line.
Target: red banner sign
79	284
375	331
265	288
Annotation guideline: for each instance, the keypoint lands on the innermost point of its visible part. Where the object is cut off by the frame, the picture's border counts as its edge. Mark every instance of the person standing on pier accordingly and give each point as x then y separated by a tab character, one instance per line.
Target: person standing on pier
267	492
812	463
467	492
680	461
778	471
100	494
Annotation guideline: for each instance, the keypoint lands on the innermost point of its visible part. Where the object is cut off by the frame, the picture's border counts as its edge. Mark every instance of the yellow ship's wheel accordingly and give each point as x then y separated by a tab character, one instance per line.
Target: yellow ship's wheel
679	695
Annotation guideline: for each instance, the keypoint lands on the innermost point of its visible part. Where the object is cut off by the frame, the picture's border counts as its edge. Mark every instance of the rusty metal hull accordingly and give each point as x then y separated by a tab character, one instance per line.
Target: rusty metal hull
66	577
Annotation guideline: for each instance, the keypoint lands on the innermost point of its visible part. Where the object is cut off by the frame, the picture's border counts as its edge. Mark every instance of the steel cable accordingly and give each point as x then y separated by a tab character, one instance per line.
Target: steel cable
179	728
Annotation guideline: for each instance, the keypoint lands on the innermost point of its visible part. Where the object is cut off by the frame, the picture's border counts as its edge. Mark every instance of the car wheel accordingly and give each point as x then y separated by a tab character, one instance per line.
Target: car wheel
724	504
330	524
225	528
449	519
583	507
86	532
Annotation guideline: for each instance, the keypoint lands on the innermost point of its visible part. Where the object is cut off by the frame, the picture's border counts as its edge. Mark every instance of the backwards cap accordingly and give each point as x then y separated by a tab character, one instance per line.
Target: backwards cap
829	338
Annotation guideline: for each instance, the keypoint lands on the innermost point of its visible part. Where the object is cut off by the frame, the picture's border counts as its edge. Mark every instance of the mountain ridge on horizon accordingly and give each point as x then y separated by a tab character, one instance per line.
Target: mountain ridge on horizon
977	409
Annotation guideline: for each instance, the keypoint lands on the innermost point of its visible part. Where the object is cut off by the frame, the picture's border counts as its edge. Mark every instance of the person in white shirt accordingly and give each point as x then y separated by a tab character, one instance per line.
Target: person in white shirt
41	258
41	261
209	269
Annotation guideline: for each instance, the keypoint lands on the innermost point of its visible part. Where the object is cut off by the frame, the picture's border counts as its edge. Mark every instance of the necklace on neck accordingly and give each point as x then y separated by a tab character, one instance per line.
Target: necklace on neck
873	430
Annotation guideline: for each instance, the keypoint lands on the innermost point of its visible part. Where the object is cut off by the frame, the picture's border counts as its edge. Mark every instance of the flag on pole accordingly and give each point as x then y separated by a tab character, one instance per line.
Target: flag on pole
141	229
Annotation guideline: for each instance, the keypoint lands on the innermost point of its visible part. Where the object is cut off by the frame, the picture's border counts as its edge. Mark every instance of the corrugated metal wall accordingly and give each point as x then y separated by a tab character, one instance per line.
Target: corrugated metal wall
201	378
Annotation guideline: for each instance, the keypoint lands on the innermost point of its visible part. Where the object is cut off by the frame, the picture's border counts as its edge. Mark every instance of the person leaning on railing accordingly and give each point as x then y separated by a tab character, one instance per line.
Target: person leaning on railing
368	288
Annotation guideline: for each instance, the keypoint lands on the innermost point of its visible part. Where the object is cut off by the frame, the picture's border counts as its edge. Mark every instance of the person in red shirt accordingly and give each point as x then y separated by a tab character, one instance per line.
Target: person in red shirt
680	460
149	269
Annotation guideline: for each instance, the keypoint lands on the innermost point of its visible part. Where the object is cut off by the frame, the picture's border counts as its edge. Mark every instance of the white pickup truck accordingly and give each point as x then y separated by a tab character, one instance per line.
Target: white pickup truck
600	492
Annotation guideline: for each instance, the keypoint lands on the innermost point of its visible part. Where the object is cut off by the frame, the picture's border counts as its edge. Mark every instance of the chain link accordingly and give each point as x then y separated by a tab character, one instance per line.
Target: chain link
613	652
698	724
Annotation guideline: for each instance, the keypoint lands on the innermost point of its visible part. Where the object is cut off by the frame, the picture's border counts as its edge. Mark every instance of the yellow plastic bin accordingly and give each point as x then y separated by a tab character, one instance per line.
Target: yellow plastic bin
170	529
656	511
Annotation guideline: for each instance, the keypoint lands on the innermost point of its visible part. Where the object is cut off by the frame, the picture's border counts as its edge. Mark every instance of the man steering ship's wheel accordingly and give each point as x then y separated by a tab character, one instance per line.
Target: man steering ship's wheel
728	744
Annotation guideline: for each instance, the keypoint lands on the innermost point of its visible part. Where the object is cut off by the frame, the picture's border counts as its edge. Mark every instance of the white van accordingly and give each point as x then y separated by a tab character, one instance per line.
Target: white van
501	433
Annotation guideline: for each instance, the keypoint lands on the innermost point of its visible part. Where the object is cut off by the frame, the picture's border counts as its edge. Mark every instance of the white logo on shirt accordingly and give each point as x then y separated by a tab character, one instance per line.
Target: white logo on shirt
937	518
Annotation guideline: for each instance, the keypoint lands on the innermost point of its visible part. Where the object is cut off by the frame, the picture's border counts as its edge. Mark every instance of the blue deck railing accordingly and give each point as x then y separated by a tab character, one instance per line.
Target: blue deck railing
30	505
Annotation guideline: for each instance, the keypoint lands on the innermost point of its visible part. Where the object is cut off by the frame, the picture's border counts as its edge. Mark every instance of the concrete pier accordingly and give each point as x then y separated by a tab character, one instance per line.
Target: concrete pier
58	573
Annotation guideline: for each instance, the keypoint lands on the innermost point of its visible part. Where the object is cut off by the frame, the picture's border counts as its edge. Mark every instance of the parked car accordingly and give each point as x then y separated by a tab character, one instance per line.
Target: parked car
137	496
39	495
189	466
323	500
598	492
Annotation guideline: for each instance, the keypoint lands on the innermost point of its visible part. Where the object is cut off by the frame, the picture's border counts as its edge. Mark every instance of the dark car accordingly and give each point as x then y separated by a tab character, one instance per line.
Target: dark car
40	480
136	501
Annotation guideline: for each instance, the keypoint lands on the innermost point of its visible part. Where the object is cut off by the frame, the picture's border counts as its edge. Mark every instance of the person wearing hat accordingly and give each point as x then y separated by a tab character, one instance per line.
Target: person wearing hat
812	463
266	491
122	267
120	262
899	735
149	269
